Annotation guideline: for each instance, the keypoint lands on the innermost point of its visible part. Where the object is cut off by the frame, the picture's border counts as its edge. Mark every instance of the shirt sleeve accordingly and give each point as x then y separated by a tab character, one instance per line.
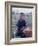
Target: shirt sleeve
24	23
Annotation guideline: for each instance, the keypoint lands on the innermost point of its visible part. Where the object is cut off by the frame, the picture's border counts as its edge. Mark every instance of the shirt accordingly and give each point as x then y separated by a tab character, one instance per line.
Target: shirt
21	24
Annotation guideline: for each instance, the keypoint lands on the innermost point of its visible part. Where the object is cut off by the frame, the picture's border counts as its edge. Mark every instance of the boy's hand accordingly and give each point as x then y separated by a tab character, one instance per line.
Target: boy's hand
22	28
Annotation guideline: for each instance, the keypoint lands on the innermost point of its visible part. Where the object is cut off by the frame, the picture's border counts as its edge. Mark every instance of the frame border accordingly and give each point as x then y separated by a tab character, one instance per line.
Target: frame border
7	22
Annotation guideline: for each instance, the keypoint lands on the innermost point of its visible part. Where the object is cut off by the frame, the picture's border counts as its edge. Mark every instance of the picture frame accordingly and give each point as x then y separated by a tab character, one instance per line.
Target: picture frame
8	21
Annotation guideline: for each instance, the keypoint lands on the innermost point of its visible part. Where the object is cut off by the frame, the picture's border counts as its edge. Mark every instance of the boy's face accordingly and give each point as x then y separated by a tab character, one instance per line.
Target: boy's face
22	17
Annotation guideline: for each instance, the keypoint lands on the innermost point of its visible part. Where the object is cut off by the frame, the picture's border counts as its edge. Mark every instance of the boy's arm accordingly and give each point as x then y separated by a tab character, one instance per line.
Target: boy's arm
17	26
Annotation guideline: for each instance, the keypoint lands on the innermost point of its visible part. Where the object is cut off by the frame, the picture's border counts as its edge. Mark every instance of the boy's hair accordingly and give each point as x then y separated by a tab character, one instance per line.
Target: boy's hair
22	14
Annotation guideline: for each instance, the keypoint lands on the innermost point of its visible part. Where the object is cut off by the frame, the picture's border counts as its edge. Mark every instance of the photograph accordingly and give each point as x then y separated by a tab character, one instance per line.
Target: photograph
21	22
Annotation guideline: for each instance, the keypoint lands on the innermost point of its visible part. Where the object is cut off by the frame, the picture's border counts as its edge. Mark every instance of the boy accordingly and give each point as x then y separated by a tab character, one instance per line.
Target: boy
21	26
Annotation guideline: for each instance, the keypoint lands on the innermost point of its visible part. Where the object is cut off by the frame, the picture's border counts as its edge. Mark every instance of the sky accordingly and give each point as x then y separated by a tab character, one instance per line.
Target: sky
24	10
